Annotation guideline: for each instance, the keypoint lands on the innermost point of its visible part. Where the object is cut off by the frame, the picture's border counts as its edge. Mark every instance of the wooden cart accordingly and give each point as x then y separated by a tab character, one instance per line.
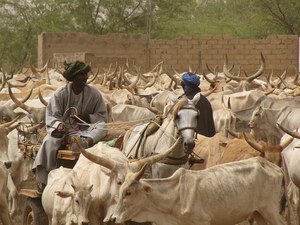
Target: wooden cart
33	212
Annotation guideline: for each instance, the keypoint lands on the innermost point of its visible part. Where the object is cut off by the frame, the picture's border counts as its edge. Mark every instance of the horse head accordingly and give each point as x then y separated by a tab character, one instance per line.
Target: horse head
185	116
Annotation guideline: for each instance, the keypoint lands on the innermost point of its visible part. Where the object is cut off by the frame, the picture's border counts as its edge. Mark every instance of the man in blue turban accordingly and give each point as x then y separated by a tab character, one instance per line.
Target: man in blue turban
190	83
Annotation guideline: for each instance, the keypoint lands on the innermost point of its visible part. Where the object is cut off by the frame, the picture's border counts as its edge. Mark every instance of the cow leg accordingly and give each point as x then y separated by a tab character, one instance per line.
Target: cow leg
259	218
13	195
4	213
297	204
272	216
54	220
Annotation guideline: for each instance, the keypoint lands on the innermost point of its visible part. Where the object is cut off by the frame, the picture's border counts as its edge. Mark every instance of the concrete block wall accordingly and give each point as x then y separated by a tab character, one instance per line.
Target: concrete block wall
99	49
180	54
279	51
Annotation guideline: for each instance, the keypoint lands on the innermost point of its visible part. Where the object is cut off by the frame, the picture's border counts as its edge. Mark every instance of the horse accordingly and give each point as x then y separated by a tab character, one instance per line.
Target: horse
180	122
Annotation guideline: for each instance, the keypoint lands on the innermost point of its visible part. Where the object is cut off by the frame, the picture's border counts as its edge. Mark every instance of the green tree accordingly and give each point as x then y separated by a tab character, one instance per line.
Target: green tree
22	21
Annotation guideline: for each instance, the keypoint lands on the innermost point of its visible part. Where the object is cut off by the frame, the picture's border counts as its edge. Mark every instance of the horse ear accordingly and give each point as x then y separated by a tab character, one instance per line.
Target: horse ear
173	98
196	98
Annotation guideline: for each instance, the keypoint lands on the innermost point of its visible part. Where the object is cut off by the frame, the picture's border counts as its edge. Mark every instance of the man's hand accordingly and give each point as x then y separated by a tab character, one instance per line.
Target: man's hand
62	128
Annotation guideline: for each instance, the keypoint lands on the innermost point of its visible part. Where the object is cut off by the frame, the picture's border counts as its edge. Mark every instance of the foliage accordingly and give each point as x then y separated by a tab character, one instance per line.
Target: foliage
23	20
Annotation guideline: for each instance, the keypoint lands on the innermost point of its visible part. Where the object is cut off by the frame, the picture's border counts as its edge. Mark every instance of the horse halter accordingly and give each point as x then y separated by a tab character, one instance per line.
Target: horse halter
193	108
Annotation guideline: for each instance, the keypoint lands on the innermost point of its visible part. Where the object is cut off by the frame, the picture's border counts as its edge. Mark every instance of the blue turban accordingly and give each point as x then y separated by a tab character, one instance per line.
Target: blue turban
189	82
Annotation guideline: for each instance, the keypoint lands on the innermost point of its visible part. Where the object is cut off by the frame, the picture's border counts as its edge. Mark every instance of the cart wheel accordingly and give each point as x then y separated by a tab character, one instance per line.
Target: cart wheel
33	212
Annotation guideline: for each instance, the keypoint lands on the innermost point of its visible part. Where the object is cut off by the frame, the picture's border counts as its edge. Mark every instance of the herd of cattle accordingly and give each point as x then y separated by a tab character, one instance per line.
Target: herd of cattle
251	159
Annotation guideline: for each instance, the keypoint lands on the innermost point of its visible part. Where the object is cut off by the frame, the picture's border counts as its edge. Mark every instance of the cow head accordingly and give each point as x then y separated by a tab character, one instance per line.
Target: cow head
131	197
256	117
81	200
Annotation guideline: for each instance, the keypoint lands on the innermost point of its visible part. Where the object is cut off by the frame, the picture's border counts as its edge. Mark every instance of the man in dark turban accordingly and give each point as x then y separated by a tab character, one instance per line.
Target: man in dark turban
69	112
190	83
72	69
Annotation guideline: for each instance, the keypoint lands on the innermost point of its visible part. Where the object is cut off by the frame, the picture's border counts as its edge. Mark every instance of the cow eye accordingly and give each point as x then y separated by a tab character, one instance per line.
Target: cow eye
119	183
77	201
127	193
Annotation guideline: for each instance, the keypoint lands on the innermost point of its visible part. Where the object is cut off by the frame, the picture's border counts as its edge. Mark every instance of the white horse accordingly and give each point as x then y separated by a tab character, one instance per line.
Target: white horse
180	121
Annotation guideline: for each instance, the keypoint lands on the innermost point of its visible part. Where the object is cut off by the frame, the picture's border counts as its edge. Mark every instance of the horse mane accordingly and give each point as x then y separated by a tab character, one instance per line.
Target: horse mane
183	101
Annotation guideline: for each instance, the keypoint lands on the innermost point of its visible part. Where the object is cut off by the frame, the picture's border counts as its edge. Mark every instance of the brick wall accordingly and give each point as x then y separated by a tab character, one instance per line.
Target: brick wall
279	51
178	54
96	49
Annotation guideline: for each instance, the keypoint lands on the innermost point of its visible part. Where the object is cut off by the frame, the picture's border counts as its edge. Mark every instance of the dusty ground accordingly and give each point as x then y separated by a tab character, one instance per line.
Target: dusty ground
31	183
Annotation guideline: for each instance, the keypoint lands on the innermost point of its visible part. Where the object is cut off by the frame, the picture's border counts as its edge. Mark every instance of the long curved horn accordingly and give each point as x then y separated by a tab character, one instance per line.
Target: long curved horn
42	69
94	76
10	128
226	71
45	103
234	134
17	102
295	81
291	133
120	76
126	78
284	144
102	161
206	94
139	175
209	80
152	109
153	159
175	79
253	144
33	69
269	92
249	79
260	71
150	83
3	80
285	83
134	83
9	123
269	79
31	129
47	77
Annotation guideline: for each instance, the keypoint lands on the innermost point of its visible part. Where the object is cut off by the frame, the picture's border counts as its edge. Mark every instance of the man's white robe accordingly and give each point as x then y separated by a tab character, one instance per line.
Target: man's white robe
59	109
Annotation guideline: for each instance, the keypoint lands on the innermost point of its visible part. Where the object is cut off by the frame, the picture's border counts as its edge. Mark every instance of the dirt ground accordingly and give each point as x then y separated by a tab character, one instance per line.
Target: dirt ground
31	183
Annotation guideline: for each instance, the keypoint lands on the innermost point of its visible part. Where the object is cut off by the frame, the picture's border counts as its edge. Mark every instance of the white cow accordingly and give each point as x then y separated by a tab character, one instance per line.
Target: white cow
5	129
4	208
65	199
264	121
130	113
221	195
106	167
291	159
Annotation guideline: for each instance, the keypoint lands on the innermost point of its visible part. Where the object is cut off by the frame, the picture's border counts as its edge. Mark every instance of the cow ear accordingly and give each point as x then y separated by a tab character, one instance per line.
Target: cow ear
64	194
148	188
223	144
90	188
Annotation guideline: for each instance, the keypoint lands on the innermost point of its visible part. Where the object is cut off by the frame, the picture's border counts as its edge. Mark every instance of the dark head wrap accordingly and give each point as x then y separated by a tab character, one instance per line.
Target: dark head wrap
73	69
190	83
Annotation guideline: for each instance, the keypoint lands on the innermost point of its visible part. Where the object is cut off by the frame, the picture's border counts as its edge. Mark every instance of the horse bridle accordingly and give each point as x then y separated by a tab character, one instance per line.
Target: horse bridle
193	108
